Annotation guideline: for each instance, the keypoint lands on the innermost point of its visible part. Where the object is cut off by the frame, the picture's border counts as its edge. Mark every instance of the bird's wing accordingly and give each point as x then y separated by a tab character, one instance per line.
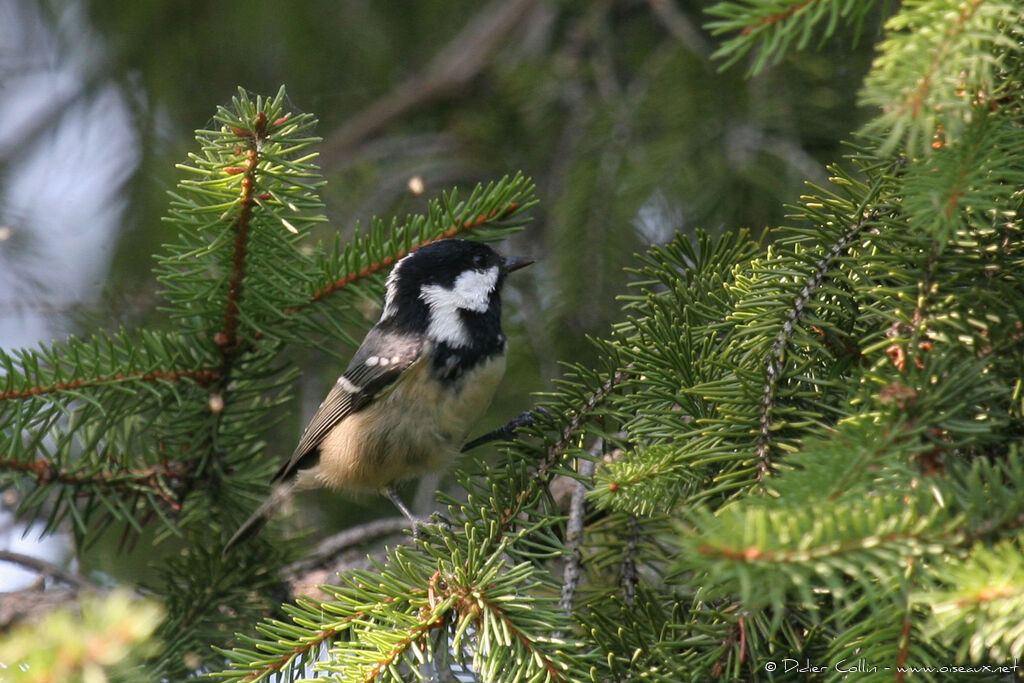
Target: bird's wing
377	365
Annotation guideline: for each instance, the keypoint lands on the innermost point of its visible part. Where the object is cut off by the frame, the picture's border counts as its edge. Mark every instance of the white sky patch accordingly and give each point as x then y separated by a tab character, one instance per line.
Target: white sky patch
471	292
68	144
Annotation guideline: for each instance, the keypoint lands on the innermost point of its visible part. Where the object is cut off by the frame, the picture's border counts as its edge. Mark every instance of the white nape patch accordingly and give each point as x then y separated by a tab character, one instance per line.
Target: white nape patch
391	290
346	384
471	292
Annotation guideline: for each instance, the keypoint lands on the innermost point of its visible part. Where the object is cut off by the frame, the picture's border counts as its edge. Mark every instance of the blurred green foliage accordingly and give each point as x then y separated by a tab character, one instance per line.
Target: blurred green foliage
99	639
626	126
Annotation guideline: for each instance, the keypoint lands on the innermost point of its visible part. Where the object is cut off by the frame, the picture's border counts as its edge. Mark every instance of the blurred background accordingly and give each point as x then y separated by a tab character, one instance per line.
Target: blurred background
614	107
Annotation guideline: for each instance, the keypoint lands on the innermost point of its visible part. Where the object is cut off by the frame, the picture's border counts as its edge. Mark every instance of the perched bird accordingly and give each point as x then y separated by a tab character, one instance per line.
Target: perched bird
422	377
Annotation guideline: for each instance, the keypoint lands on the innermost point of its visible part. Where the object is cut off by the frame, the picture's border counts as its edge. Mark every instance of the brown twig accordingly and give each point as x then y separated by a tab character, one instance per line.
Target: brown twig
332	546
465	56
44	568
574	529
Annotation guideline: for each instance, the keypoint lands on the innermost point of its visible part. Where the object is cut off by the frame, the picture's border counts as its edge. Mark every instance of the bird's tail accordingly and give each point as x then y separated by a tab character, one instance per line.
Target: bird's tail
278	498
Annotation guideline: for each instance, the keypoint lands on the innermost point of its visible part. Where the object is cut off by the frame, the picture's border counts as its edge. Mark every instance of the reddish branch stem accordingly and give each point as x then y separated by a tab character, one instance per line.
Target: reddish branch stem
301	649
202	376
553	671
387	261
227	338
321	637
411	636
776	18
44	472
916	101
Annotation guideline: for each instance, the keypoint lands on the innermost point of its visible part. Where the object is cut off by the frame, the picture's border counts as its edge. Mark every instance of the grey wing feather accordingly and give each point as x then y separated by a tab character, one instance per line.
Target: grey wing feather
399	351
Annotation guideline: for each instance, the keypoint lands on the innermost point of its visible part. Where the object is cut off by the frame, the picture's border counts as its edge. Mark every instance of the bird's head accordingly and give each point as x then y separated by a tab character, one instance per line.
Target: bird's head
446	286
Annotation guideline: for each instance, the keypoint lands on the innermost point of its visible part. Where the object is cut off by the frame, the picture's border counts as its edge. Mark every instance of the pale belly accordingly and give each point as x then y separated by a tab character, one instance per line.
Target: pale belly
415	428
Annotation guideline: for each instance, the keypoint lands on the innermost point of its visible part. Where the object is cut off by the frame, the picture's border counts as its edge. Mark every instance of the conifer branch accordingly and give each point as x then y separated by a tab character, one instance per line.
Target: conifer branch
831	549
227	338
574	528
424	625
158	479
915	101
554	453
776	356
579	417
773	27
202	376
310	644
939	61
776	17
628	575
535	653
391	259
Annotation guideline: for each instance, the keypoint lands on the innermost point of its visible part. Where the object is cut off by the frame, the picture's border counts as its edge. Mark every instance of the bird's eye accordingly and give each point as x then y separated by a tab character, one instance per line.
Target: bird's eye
478	259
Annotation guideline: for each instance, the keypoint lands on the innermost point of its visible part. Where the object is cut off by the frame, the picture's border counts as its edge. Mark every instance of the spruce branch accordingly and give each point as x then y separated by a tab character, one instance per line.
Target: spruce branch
951	190
201	376
774	365
253	137
774	27
159	480
834	546
940	60
977	609
370	269
554	453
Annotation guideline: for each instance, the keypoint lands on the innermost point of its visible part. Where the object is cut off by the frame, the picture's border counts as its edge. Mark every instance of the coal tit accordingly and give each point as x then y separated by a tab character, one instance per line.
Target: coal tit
422	377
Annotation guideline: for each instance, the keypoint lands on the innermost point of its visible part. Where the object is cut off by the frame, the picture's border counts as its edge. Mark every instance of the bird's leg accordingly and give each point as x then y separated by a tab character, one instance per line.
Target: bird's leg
523	419
392	495
437	518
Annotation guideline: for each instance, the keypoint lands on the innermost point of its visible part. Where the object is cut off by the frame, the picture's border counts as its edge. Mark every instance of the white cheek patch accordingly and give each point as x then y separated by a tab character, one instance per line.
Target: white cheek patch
471	292
446	326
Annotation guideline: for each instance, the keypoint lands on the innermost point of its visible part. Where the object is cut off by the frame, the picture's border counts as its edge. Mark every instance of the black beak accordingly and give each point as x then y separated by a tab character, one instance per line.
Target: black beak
515	263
